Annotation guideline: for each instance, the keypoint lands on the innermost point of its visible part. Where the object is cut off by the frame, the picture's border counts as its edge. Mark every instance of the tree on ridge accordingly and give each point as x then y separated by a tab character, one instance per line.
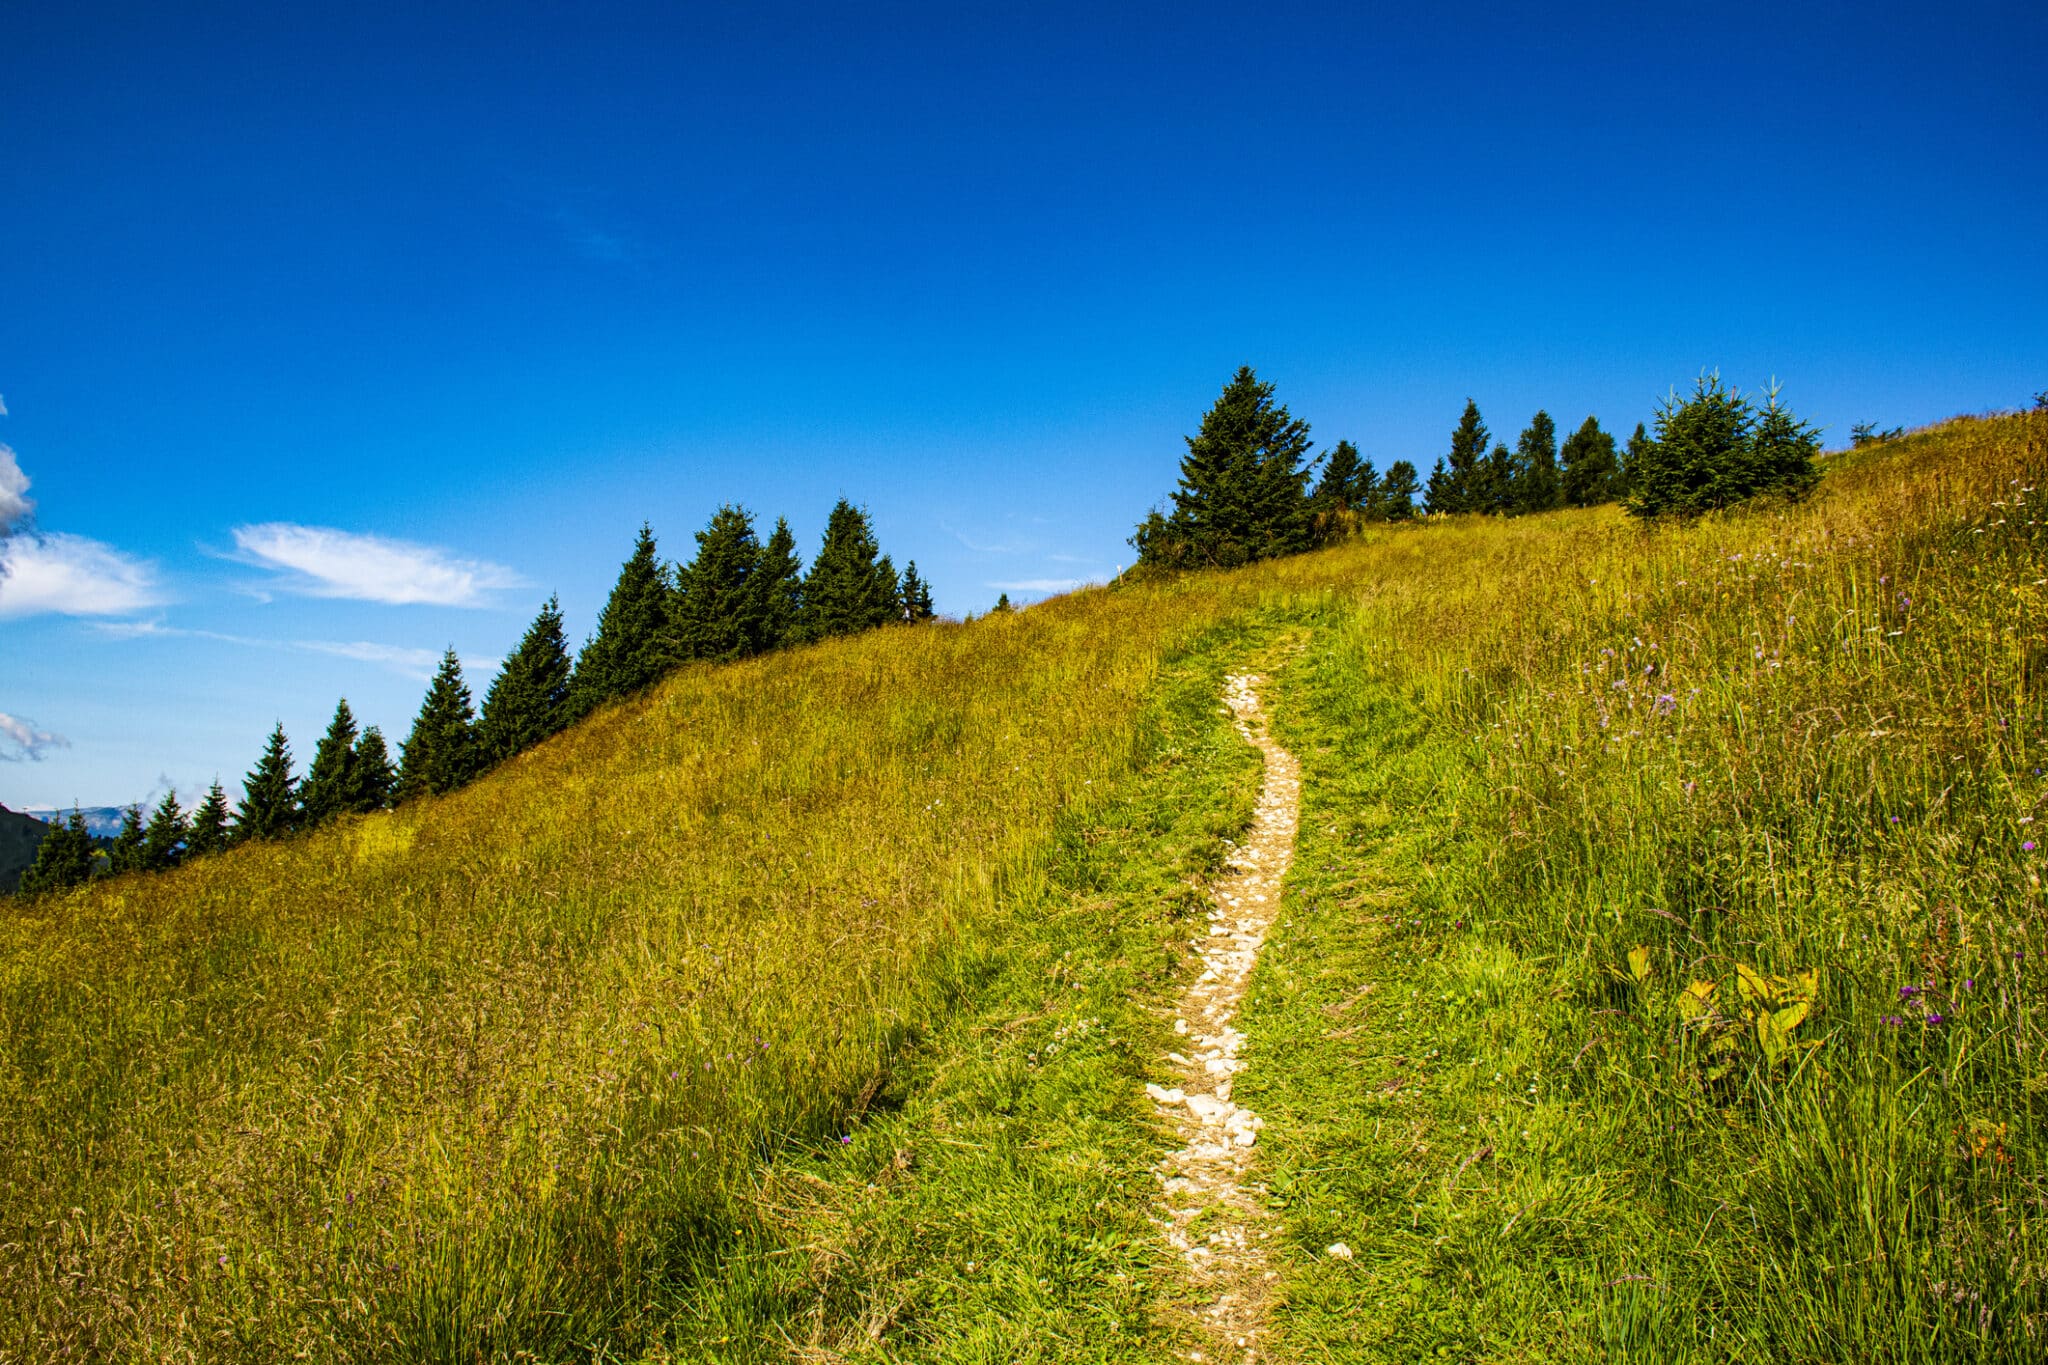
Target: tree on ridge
529	699
269	807
440	754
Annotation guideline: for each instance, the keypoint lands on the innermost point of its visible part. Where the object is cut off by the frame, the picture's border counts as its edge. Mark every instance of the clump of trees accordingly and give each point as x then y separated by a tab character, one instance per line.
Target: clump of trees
1534	476
738	596
1244	490
1715	448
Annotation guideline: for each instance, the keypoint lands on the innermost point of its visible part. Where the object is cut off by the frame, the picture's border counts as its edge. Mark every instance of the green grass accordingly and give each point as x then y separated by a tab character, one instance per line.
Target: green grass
1538	1150
559	1067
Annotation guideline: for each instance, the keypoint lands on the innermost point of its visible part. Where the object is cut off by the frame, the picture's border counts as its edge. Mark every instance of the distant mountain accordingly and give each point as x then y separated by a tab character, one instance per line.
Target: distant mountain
102	822
19	836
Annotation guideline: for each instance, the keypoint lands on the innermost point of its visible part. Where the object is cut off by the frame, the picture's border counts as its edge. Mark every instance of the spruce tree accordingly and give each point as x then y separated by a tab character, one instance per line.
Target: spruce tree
63	859
1638	449
1783	448
1365	488
1714	449
529	699
1243	487
126	853
1442	496
374	777
632	644
779	582
270	797
1589	467
1536	466
720	610
440	754
917	595
1499	479
1463	488
850	586
1002	604
163	843
1395	500
1337	487
329	788
209	831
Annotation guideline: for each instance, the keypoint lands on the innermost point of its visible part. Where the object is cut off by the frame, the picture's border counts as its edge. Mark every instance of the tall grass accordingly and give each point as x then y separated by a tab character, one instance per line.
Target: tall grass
495	1076
1720	911
490	1074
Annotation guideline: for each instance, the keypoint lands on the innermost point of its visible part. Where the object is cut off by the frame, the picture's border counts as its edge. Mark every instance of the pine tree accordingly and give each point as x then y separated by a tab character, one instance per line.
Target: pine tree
1463	488
1365	488
1396	497
1337	487
1499	478
850	586
375	778
1442	496
63	859
1589	466
440	754
779	581
633	643
1714	449
1638	449
720	610
1536	466
126	853
329	788
529	699
163	843
209	831
270	797
1243	487
917	595
1782	450
1002	604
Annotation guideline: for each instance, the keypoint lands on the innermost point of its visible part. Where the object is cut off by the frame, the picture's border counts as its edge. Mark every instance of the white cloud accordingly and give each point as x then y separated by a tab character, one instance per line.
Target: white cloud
413	663
14	500
403	660
1040	585
323	562
20	739
72	576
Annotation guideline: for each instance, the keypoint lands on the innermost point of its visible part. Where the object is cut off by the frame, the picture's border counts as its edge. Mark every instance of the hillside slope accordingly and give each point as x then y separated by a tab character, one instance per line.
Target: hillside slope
744	1021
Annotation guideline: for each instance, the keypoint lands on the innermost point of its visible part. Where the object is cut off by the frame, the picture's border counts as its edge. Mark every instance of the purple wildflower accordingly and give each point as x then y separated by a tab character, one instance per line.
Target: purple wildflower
1666	704
2027	847
1969	983
1908	992
1936	1018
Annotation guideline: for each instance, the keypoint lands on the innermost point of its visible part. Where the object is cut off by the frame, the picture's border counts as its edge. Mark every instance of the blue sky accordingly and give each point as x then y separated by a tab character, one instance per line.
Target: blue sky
331	339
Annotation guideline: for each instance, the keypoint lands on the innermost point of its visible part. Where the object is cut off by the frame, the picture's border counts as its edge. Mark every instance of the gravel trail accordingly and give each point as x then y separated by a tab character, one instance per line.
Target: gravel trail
1210	1214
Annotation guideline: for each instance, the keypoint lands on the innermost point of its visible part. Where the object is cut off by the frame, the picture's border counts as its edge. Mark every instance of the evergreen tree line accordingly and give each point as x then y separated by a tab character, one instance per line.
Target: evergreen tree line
738	597
1244	490
1244	483
1488	477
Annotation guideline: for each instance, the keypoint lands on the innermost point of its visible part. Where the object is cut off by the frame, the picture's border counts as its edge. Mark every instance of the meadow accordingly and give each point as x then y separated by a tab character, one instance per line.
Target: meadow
1659	978
1664	975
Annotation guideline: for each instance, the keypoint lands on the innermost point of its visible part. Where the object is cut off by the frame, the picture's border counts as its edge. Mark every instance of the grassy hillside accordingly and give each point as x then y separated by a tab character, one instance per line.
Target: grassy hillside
1664	976
787	1009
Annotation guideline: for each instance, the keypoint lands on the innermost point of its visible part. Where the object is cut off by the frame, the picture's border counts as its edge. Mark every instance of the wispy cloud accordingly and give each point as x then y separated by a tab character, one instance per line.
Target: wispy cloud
20	739
1045	585
322	562
14	500
404	660
72	576
399	658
